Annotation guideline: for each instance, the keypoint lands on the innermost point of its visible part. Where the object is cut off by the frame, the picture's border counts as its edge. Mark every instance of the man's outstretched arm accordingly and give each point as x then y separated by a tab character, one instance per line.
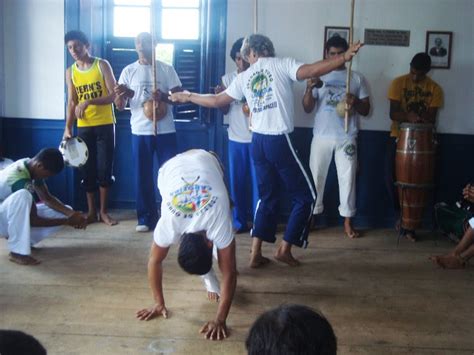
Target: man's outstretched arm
206	100
217	329
155	279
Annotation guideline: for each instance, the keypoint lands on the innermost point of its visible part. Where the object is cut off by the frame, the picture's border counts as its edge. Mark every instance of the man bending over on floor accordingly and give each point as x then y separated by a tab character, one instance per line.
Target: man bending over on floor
20	184
458	258
195	212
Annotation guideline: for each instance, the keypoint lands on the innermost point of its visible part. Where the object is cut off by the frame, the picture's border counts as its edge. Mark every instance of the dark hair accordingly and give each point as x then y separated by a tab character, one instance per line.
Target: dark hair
144	36
194	254
336	42
236	48
51	159
15	342
76	36
291	330
421	61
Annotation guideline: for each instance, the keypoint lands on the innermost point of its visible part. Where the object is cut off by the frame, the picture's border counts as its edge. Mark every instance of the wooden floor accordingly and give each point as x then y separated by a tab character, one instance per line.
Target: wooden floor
379	298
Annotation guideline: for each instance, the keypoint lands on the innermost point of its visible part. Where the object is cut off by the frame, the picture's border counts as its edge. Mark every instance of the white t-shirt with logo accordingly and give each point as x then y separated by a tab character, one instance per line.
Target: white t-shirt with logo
15	177
238	123
267	87
194	199
138	77
5	162
327	123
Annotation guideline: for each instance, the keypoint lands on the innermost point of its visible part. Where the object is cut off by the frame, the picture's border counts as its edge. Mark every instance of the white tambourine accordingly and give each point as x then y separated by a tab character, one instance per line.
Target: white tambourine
74	151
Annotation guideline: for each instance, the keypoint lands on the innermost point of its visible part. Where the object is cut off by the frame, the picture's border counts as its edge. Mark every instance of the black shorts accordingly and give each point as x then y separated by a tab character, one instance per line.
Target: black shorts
100	141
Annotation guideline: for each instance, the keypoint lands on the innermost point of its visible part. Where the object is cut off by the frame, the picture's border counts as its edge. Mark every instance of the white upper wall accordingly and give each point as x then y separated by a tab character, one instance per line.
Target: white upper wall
296	28
33	56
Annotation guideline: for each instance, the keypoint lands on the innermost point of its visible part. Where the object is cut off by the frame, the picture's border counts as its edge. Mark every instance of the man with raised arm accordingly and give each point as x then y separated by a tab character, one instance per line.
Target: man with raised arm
329	135
267	87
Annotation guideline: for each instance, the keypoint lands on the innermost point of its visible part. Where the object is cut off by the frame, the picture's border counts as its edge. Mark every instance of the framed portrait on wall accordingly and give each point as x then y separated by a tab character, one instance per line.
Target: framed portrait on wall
331	31
438	47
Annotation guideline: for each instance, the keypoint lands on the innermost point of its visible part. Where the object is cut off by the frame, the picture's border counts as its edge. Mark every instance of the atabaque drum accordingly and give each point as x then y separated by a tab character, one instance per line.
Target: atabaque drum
414	169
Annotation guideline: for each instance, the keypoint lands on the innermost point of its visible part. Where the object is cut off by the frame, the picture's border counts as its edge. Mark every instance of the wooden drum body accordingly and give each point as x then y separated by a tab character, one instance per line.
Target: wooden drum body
414	168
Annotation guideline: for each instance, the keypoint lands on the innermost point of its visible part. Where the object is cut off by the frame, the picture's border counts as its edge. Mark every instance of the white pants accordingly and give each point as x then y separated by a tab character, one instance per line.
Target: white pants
210	279
15	222
345	157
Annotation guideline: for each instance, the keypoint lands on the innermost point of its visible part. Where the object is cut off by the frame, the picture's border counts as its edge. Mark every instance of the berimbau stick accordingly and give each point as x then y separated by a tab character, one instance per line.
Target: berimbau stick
153	64
349	69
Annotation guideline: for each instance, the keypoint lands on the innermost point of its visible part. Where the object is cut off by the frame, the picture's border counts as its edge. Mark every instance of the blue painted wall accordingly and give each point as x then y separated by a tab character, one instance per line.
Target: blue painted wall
454	165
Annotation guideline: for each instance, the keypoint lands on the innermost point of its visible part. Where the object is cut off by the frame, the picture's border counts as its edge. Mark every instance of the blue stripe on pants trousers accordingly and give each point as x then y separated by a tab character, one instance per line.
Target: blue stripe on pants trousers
241	175
144	149
277	165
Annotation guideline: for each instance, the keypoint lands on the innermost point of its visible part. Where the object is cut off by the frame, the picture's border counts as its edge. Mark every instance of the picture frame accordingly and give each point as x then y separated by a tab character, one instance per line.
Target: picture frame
330	31
438	47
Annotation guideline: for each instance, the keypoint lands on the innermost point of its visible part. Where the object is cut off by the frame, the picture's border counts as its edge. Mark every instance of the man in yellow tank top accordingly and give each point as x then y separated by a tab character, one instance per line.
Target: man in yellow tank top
90	83
414	98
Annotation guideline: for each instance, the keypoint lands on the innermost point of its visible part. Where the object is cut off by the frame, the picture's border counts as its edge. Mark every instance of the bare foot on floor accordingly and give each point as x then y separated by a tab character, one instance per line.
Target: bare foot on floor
448	261
286	258
91	218
23	259
213	296
351	232
105	218
410	236
257	261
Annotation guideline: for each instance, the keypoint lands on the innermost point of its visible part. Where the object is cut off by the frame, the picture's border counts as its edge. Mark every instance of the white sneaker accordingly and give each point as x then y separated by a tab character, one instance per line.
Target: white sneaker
142	228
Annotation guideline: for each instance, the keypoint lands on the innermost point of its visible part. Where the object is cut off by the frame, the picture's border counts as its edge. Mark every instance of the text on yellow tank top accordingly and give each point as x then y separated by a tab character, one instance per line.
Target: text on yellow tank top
90	84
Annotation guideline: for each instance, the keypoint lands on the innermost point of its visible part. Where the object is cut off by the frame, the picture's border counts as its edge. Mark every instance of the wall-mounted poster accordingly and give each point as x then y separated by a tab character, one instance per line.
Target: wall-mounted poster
438	46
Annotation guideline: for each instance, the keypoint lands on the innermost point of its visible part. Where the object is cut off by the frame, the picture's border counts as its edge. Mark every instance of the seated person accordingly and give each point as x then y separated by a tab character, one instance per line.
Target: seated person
458	257
195	212
20	184
291	330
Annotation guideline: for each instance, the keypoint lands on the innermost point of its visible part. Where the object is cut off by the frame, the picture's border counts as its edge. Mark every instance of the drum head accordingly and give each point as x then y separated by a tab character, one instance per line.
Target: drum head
74	151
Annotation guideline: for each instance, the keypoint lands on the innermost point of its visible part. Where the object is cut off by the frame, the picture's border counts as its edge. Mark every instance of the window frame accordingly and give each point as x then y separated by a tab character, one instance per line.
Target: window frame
181	113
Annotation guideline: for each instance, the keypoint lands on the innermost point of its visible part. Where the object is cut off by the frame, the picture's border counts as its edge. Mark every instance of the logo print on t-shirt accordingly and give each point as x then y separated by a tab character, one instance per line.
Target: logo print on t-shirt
336	91
191	197
350	151
262	92
417	100
260	84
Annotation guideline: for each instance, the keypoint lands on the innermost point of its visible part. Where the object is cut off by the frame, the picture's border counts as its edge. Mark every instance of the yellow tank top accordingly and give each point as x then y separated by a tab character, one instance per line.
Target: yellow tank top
90	84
